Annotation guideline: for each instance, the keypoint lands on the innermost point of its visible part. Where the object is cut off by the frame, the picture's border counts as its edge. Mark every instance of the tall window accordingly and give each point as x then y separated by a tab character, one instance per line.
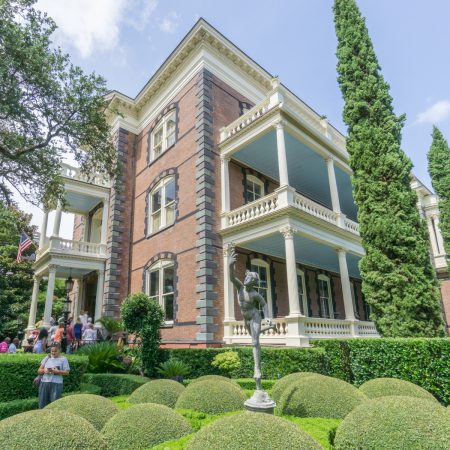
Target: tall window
159	286
163	135
162	205
303	300
325	300
264	288
254	188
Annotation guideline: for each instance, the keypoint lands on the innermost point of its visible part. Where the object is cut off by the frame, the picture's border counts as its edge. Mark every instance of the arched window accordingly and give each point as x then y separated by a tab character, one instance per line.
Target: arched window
163	135
325	299
161	202
159	286
254	188
262	268
303	299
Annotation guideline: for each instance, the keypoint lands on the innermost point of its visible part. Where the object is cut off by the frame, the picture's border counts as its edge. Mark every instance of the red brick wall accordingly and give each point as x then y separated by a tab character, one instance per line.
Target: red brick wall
445	292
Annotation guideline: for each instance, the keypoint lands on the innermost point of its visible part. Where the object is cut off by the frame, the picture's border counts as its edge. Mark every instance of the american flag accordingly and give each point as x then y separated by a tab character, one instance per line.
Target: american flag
24	243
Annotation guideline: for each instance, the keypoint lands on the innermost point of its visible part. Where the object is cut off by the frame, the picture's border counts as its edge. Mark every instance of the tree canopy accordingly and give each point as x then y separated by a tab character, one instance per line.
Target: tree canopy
48	108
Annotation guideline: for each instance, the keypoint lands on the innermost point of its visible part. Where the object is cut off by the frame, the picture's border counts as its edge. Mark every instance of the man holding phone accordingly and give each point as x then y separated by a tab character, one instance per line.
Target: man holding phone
52	370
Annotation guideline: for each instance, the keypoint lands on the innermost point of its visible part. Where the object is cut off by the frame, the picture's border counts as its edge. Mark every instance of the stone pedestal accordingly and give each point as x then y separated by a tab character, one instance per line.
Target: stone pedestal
260	402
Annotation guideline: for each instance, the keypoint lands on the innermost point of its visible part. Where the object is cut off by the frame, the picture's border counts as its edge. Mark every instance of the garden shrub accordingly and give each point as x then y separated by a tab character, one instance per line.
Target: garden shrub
103	357
17	372
384	387
144	426
95	409
252	431
88	388
249	383
113	384
227	362
395	422
218	378
320	396
163	392
286	381
173	369
49	430
12	407
212	397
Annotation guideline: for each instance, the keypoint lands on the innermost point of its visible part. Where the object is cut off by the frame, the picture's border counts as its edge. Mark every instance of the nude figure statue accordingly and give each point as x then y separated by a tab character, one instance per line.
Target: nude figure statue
251	303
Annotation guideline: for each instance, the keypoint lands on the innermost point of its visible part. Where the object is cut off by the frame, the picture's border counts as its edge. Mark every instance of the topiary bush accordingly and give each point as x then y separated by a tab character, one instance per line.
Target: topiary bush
320	396
162	392
218	378
252	431
227	362
112	384
144	426
212	397
280	386
49	430
8	409
249	383
384	387
395	422
95	409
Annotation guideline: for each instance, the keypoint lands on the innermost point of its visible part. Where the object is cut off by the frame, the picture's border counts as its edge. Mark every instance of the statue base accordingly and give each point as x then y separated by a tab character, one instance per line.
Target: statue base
260	402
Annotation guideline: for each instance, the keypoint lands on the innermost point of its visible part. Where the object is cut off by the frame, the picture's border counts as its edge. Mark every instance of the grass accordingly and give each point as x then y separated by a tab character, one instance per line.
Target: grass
177	444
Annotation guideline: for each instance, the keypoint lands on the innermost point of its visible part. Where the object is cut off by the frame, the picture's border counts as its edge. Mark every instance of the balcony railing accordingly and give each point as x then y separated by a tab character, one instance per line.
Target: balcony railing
73	248
74	173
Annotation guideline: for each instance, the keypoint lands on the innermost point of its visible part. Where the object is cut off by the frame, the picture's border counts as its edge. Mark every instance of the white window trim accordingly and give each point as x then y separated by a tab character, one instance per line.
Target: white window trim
304	298
159	266
261	263
163	211
257	181
162	124
330	298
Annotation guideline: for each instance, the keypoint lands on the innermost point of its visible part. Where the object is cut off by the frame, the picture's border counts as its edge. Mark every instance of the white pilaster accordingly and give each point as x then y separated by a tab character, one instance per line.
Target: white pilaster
334	193
431	232
345	282
281	152
57	223
33	307
225	183
104	222
439	237
43	229
294	300
49	297
99	295
228	294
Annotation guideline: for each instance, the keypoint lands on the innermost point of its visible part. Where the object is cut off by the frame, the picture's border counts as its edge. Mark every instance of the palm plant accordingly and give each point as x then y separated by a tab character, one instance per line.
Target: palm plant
103	357
173	369
111	325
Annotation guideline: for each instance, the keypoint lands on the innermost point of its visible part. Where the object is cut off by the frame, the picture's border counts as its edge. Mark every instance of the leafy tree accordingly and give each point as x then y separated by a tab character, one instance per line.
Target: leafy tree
48	108
439	169
398	280
16	279
144	316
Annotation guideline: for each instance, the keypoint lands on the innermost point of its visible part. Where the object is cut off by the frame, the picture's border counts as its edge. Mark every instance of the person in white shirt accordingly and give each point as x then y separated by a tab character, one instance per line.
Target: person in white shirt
13	346
89	334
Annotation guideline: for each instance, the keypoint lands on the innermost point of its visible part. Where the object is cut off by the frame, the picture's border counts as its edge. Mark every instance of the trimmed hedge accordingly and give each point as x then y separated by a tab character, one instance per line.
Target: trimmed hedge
95	409
249	383
275	361
49	430
17	372
212	397
8	409
422	361
218	378
282	384
395	422
252	431
385	387
144	426
113	384
320	396
162	392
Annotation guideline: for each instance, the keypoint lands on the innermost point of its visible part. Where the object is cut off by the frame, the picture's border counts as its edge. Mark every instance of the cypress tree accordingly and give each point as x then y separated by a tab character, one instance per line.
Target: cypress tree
439	170
399	282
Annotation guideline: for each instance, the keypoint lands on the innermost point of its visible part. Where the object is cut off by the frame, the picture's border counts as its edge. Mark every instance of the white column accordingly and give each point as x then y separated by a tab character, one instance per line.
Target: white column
99	294
346	288
57	223
282	159
43	230
333	185
439	237
104	222
291	269
49	297
85	227
225	183
431	232
33	307
228	287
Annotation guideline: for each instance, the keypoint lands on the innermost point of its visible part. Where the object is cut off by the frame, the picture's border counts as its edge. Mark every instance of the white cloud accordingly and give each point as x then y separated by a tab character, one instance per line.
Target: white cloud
170	23
436	113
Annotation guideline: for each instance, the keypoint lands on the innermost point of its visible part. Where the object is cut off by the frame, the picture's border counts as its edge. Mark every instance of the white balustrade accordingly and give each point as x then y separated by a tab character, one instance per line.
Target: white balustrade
315	209
316	328
74	173
253	210
351	226
67	246
366	329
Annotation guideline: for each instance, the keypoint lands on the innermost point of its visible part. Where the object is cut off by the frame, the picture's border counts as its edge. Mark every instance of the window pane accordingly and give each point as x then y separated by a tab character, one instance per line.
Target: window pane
257	190
156	200
168	306
170	192
168	280
170	214
154	283
156	221
157	139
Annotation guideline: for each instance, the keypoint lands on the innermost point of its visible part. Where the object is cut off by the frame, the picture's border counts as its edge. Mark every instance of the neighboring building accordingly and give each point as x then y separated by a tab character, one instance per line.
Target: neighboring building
217	155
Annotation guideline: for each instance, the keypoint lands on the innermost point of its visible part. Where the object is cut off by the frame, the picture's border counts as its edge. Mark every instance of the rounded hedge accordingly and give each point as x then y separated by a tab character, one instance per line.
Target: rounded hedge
320	396
144	426
214	378
94	408
163	392
212	397
283	383
385	387
252	431
396	422
49	430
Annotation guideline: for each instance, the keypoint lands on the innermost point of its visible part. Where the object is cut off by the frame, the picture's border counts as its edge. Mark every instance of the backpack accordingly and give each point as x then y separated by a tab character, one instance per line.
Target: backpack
3	347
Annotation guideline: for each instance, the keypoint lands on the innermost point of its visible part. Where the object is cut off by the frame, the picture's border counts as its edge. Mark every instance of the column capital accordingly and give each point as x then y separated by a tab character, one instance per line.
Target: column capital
280	124
37	278
341	251
329	158
101	272
228	249
225	159
288	232
52	268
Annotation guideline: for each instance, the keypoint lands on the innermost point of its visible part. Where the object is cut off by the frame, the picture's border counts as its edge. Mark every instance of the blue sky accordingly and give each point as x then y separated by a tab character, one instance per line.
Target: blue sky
127	40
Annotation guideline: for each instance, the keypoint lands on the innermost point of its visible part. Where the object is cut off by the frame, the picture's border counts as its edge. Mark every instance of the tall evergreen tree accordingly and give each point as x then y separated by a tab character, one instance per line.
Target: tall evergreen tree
439	170
399	282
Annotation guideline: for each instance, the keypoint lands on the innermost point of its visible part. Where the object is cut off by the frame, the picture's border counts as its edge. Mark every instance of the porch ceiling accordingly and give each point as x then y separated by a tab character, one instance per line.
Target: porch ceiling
307	252
307	170
80	202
